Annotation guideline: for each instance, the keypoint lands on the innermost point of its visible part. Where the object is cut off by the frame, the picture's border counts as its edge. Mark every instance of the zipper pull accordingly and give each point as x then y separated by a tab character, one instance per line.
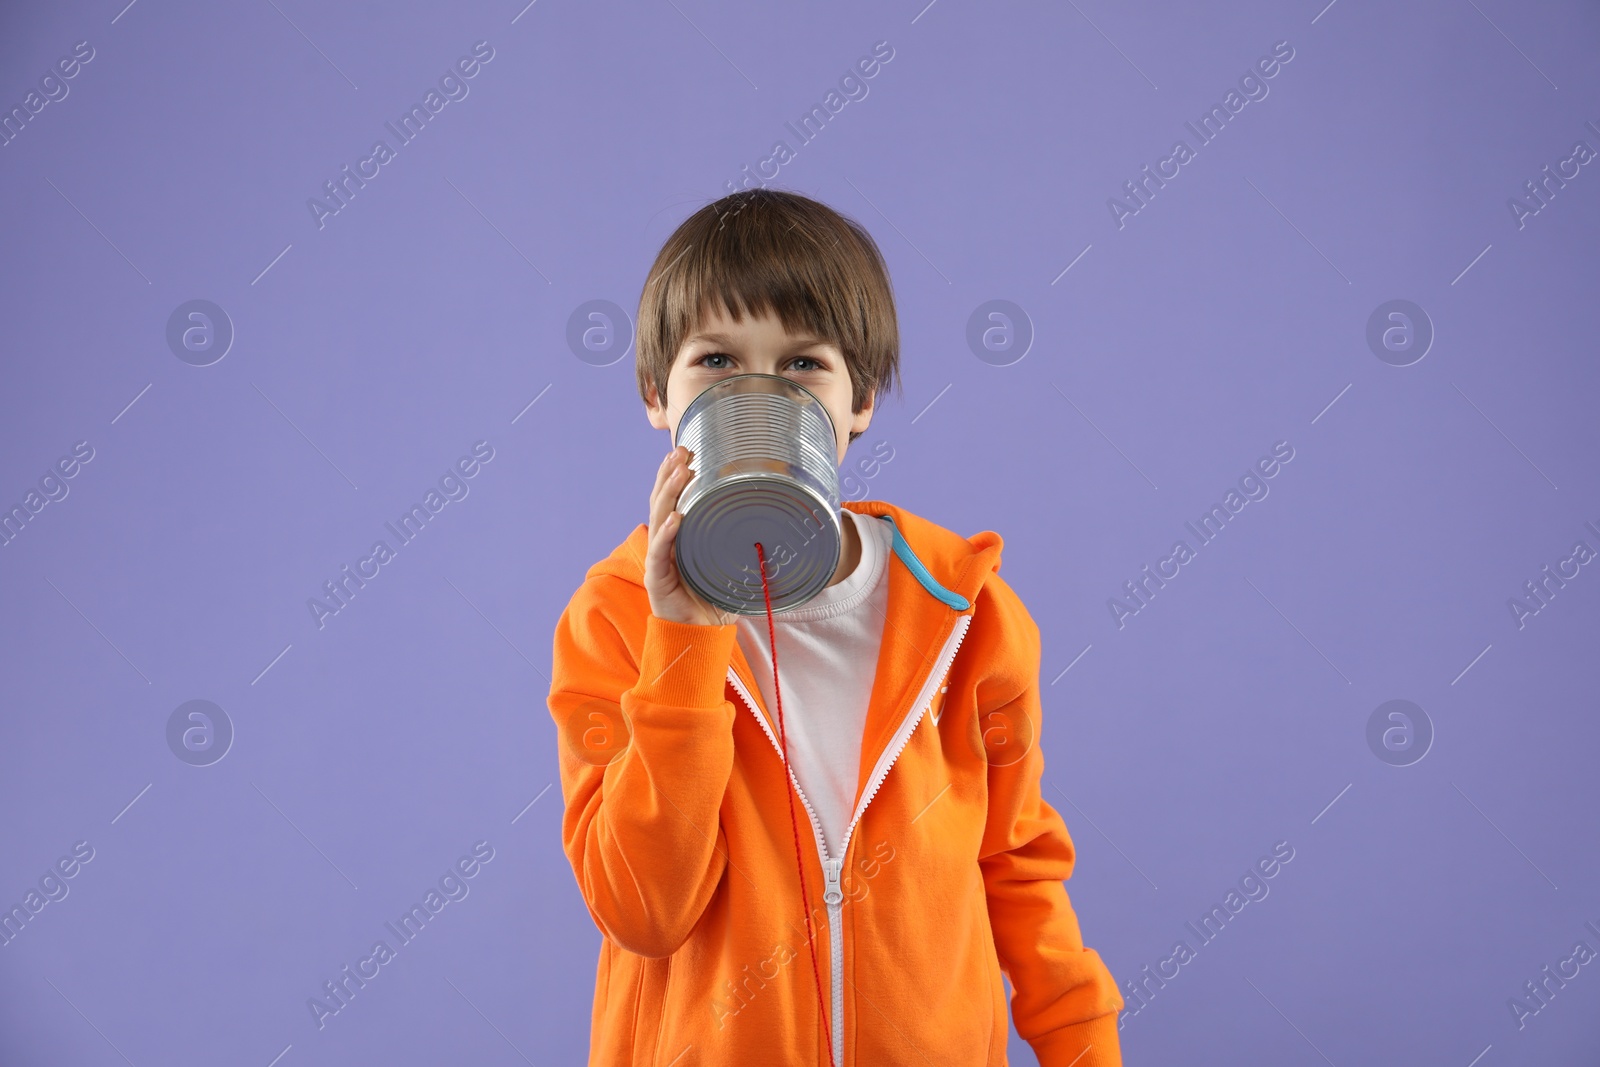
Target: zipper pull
831	893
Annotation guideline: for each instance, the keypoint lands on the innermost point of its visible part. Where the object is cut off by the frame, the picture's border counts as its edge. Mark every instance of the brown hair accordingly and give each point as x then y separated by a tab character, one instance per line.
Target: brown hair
770	251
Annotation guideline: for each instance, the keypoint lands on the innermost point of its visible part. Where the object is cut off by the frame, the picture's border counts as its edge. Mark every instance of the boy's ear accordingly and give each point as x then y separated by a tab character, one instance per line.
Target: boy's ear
860	420
655	411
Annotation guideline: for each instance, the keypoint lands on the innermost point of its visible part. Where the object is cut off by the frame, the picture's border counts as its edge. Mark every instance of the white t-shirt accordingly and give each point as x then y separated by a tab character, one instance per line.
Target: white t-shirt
827	659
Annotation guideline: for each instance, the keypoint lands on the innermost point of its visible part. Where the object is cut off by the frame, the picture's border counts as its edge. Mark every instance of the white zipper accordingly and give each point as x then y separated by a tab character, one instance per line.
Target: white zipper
930	684
832	895
834	898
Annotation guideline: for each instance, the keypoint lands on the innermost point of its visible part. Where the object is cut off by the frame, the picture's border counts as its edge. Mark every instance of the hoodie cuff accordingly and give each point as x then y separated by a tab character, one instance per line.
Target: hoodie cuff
1091	1043
684	664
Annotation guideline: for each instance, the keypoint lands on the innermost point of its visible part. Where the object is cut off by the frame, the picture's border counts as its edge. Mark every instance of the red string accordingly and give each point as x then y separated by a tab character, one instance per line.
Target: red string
794	825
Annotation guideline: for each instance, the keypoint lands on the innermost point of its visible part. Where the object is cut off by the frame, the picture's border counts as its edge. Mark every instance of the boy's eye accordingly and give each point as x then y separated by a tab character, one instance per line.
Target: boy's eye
709	356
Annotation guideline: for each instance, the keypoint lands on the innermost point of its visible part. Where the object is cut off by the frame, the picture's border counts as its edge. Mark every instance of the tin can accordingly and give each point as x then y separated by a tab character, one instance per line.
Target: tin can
765	469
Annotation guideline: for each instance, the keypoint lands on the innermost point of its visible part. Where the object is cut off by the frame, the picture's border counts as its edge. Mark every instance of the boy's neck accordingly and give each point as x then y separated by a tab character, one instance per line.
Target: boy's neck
849	550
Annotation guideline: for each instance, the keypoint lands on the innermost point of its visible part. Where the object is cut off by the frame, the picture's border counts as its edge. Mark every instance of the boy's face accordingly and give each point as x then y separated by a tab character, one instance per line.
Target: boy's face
720	348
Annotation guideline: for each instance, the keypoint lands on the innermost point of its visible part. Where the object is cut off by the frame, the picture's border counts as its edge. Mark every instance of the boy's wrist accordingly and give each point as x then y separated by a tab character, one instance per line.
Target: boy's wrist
683	663
1091	1043
687	622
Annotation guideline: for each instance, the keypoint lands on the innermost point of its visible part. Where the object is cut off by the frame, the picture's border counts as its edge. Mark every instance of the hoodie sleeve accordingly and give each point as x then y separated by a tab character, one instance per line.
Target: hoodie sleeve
1064	1000
646	751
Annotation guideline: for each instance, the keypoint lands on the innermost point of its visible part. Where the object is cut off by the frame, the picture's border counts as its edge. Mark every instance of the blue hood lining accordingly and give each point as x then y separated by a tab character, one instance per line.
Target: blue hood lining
915	566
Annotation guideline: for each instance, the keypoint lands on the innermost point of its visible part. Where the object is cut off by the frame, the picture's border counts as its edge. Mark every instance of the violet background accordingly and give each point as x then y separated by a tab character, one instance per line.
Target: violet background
370	353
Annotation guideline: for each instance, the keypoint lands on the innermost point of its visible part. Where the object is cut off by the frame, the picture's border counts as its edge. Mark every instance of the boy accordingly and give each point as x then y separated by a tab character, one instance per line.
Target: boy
910	712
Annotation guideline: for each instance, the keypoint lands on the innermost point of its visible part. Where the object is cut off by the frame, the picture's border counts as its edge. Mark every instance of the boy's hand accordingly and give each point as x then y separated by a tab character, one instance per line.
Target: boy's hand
670	597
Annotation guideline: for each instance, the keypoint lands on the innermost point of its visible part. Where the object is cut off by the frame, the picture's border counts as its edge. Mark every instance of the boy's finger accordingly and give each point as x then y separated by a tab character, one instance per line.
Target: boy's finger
658	555
678	476
662	500
678	481
663	472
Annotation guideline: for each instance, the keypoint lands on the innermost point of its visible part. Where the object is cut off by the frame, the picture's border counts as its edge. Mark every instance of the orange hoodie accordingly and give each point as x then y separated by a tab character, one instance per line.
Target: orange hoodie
678	829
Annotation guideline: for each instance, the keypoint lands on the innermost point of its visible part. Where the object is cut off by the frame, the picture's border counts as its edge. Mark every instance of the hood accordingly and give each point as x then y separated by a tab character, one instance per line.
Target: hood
935	585
948	567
